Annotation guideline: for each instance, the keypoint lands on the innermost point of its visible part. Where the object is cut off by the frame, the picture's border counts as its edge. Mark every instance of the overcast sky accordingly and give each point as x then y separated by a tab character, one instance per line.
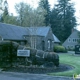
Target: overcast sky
34	3
31	2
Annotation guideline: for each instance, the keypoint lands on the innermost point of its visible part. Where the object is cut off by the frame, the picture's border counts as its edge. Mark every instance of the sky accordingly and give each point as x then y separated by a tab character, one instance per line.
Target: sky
34	3
31	2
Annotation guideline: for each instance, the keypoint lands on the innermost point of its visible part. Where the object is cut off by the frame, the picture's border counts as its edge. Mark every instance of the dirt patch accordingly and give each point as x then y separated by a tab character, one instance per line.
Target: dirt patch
39	70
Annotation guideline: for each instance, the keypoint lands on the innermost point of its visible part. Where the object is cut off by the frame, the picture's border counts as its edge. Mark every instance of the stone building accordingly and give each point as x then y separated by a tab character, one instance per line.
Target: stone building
40	38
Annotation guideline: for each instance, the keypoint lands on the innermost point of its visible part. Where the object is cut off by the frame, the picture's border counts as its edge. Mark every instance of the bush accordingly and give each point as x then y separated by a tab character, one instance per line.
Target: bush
52	57
8	51
60	48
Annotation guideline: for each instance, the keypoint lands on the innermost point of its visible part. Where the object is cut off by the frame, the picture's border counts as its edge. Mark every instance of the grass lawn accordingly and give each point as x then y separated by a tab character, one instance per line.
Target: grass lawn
72	60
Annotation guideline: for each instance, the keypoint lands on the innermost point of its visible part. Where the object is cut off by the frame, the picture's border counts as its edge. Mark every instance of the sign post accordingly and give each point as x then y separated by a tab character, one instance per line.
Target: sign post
23	53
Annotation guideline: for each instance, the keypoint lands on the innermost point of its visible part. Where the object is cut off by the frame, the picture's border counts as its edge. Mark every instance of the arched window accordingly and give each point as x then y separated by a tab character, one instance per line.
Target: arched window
48	44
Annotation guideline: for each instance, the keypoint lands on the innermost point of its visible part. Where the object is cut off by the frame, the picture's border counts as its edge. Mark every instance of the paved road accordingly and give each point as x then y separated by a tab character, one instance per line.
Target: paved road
26	76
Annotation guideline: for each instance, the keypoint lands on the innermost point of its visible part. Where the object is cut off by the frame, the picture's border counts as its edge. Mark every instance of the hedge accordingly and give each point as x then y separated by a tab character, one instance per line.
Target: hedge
59	48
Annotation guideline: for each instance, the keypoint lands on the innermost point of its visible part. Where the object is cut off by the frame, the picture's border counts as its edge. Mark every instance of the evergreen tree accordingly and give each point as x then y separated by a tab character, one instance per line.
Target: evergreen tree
5	11
20	8
45	5
1	9
1	5
63	19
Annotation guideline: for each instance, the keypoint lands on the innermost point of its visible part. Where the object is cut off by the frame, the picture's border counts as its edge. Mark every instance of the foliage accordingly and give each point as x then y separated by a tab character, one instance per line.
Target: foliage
45	5
59	48
5	11
20	8
9	48
36	56
63	19
10	19
5	17
1	7
38	17
28	16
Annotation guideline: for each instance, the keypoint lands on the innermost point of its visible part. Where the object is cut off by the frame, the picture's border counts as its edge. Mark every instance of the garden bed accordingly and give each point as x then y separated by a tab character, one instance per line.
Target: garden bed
39	70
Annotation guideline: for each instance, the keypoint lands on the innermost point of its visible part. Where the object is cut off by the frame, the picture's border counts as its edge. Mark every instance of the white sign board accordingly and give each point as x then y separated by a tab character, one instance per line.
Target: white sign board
23	53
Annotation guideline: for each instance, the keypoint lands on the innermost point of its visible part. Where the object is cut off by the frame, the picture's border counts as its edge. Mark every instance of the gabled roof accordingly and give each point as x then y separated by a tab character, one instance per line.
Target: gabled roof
56	39
13	32
41	31
8	31
73	35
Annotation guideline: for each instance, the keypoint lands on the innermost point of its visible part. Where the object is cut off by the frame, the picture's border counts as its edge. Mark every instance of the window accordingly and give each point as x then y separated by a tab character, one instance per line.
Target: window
48	44
69	40
75	40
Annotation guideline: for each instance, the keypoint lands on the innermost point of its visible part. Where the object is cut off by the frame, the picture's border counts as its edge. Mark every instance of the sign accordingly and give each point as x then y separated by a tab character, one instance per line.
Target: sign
77	49
23	53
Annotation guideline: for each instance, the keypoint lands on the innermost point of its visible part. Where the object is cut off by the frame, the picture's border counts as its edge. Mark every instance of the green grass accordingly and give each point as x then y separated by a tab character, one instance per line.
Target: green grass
72	60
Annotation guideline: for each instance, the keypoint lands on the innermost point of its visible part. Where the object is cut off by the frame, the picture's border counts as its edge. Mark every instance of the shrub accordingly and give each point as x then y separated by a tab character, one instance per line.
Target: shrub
59	48
8	51
52	57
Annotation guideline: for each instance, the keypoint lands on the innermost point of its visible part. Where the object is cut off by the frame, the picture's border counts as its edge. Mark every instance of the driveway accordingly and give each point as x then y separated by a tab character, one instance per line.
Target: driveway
27	76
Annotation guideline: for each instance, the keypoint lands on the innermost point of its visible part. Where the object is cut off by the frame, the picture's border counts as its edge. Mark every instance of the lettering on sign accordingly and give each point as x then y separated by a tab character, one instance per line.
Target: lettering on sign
24	53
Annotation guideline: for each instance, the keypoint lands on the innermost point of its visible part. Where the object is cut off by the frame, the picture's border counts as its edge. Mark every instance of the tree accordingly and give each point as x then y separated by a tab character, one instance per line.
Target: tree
5	17
38	17
10	19
1	9
27	16
20	10
63	19
45	5
1	5
5	11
